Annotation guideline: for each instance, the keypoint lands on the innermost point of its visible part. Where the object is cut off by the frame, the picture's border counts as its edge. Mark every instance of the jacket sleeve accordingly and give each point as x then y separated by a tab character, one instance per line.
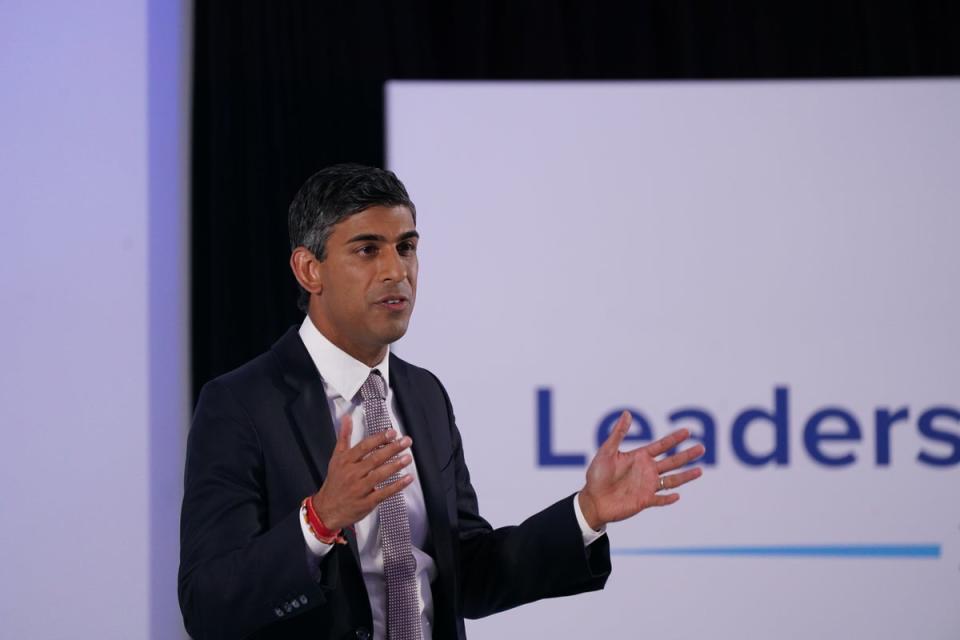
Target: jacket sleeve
543	557
236	574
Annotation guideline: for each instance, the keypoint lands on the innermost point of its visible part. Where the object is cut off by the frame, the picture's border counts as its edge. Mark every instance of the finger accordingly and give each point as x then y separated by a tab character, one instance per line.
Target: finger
385	471
666	443
370	443
664	499
395	487
620	428
679	479
346	430
678	460
379	456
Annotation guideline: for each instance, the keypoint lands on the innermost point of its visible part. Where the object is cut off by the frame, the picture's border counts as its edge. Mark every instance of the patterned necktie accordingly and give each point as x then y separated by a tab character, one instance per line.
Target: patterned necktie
399	565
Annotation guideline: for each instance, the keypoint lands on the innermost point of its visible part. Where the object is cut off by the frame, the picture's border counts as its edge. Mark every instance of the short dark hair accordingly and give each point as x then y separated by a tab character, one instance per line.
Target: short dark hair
333	194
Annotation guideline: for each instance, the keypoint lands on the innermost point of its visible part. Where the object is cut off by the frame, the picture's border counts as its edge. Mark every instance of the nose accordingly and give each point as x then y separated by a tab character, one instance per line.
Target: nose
392	266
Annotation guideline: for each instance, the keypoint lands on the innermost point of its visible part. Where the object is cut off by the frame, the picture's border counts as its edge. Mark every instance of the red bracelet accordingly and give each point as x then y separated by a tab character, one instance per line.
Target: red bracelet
316	526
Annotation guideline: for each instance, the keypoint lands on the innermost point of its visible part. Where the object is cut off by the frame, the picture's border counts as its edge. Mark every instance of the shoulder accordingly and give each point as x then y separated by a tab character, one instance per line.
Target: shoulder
418	376
228	405
413	372
262	380
251	374
427	385
247	379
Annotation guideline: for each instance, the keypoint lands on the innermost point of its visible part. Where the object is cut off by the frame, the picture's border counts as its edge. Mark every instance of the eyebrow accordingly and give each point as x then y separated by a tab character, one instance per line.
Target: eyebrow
373	237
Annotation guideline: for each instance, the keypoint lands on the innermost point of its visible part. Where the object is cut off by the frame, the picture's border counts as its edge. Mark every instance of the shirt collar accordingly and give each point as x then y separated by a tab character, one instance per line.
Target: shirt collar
340	371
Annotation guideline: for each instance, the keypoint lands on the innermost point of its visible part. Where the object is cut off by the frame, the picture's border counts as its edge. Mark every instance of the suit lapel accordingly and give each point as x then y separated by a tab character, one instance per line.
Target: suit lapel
313	426
308	411
418	426
307	408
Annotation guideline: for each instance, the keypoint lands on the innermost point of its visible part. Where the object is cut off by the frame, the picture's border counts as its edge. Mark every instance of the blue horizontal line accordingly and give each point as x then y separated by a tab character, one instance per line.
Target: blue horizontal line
804	550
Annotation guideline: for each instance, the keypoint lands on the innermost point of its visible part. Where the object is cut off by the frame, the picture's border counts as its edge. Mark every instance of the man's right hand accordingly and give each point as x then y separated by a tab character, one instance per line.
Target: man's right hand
350	491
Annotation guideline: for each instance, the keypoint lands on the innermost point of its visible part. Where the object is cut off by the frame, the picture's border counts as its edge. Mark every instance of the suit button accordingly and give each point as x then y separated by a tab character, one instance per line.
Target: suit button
295	603
278	612
362	634
303	599
287	607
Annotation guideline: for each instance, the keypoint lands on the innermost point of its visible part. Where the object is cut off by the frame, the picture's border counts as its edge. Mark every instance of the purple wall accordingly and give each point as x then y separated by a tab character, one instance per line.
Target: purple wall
93	399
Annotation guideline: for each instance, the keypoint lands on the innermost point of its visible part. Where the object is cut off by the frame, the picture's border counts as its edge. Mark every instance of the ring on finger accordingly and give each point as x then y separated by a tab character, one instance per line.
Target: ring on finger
662	487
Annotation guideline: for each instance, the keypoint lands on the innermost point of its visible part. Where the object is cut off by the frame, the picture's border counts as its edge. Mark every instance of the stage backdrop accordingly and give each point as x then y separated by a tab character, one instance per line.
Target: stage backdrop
94	400
771	264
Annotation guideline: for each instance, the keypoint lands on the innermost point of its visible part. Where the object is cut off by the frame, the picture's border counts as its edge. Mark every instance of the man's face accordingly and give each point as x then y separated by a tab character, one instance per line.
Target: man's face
369	281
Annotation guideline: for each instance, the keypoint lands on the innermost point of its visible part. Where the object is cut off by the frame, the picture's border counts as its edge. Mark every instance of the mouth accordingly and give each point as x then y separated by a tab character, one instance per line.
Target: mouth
394	303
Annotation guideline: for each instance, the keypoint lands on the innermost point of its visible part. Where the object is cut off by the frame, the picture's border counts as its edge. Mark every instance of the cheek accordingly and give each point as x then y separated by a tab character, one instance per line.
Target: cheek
347	299
412	272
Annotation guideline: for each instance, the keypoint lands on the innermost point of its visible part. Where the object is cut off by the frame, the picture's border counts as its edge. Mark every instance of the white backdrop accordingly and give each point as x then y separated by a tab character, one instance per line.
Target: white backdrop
722	247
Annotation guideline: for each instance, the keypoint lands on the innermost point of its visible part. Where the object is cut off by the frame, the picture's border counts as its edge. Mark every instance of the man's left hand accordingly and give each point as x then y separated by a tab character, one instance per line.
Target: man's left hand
622	484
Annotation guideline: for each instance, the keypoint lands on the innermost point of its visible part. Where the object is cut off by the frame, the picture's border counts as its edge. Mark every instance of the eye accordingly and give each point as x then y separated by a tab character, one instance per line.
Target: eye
367	250
407	248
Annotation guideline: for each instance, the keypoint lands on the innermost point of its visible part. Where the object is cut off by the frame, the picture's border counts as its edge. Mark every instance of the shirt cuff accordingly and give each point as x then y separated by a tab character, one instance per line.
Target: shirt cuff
589	535
316	550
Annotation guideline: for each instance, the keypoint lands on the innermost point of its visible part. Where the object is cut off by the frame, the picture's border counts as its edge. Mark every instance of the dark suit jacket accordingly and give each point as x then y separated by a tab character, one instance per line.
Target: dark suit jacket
260	442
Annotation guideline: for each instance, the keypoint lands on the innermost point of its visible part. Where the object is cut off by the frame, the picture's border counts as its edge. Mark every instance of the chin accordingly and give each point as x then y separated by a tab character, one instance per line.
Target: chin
391	334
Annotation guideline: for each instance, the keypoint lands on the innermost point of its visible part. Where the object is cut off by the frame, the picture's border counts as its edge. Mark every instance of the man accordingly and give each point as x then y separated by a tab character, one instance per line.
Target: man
326	493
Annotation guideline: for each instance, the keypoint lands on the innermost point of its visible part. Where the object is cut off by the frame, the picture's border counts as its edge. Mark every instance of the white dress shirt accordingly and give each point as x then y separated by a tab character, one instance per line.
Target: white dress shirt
343	375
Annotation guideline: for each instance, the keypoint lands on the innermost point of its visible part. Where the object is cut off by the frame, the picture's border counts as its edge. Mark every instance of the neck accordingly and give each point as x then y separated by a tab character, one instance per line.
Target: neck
370	355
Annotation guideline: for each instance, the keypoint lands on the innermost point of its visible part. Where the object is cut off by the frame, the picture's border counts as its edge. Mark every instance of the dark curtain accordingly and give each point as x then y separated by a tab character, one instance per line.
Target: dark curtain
282	88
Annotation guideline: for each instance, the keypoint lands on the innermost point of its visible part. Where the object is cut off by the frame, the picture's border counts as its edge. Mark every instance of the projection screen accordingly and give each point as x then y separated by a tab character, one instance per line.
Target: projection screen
773	265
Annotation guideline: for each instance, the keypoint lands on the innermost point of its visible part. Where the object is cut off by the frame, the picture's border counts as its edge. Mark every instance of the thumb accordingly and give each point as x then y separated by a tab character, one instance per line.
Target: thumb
620	428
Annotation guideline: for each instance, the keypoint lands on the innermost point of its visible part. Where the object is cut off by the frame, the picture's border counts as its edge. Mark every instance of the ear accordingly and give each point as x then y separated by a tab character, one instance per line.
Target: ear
306	269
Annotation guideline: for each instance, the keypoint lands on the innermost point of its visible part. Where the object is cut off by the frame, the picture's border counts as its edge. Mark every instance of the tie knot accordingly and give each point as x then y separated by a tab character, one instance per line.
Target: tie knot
374	387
